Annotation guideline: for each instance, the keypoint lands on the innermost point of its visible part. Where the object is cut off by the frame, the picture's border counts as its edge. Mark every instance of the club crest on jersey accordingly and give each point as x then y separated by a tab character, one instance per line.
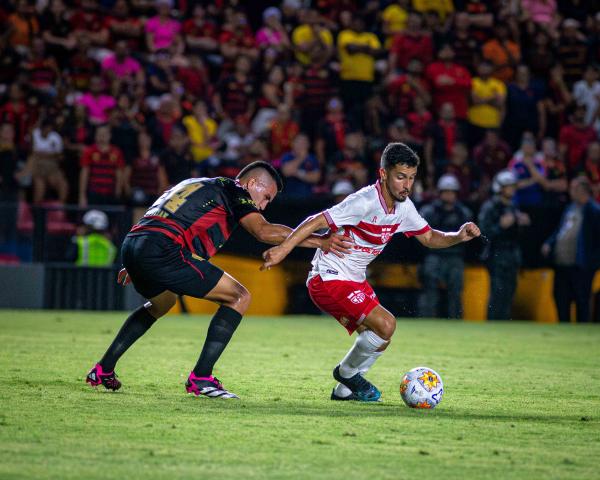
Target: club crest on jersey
357	296
386	234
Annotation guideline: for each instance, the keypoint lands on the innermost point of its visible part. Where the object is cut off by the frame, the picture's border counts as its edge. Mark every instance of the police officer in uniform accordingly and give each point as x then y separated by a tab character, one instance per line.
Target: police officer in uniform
500	220
444	267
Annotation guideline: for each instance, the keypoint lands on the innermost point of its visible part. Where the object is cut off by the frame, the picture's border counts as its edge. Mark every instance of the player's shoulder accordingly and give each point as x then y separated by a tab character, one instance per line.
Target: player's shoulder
363	197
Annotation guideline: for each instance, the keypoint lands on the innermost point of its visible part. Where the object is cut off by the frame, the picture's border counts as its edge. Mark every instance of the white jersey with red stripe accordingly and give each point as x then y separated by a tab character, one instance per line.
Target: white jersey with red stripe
364	217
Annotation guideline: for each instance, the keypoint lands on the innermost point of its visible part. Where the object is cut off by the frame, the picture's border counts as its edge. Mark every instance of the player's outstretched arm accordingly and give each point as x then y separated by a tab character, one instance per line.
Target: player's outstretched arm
275	255
437	239
275	234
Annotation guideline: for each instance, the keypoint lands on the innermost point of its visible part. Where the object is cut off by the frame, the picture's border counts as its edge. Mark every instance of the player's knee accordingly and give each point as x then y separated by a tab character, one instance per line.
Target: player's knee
241	299
387	327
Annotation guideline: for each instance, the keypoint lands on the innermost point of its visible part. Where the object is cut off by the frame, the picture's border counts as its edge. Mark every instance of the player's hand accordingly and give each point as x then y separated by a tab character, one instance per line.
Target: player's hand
545	250
468	231
336	244
273	256
123	277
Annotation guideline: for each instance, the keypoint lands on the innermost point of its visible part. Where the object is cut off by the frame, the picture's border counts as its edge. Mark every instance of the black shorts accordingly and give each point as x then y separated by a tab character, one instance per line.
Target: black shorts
156	263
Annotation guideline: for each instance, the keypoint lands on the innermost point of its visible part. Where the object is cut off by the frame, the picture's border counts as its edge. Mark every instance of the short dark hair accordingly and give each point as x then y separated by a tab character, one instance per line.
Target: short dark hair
398	154
265	166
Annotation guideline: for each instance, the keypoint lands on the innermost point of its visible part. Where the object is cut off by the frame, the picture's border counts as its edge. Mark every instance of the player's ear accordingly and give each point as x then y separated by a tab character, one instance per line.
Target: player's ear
382	174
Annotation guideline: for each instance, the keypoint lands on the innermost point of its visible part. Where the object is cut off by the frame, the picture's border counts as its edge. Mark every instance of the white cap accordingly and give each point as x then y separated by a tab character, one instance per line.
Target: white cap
96	219
448	182
342	187
503	178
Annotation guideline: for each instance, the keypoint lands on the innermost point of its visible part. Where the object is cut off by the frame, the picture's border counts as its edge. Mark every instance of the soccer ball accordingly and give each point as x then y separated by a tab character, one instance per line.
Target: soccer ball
422	387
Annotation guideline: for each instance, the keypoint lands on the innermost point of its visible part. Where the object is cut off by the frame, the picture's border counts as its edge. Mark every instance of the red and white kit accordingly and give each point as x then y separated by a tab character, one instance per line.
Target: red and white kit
338	286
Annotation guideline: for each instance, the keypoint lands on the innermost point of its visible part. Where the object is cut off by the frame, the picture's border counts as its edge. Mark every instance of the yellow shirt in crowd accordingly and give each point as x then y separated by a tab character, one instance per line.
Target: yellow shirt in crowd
442	7
196	134
486	116
395	16
303	34
359	66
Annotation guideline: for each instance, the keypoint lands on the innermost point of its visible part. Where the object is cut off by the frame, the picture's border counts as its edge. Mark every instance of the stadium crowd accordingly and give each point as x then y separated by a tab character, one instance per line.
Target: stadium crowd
108	102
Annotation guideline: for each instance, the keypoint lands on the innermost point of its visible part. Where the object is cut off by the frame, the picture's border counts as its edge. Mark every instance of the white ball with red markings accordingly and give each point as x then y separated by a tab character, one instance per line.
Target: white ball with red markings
422	387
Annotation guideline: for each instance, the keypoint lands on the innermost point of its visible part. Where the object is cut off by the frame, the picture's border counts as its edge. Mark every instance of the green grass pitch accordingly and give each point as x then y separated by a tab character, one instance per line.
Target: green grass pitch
521	401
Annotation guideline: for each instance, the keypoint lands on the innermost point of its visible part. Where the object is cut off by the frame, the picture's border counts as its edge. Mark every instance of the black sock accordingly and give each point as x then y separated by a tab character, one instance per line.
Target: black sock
134	327
220	331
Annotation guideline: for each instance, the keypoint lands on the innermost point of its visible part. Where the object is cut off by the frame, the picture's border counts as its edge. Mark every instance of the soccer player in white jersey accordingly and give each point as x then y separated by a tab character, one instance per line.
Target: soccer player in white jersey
338	286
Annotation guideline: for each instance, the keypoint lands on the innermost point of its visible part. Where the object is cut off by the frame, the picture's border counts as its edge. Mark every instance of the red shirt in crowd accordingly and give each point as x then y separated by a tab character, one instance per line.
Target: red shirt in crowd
576	140
407	46
103	168
418	123
456	91
401	94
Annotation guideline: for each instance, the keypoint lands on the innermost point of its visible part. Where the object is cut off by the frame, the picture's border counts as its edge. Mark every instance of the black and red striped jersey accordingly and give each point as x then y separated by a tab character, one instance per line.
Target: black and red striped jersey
199	213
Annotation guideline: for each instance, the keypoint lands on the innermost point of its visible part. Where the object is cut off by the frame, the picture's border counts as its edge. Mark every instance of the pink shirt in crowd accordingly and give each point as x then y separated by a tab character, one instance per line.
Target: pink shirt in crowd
540	11
97	107
163	33
266	36
129	67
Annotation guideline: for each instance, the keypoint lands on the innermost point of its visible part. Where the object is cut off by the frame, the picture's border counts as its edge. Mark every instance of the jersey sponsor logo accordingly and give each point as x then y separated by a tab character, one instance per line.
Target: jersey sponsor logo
331	271
357	296
372	251
386	233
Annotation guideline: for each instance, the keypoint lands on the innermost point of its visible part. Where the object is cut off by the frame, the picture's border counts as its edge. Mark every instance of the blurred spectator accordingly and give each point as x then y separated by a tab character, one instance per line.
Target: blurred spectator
503	52
541	13
403	88
193	76
540	56
357	51
236	40
164	120
557	100
101	178
122	69
450	83
283	130
575	251
490	156
313	42
332	131
500	221
528	166
488	97
234	95
272	34
524	109
591	167
556	183
419	120
574	139
10	61
349	163
202	131
586	92
44	162
23	26
90	25
572	51
444	267
273	95
146	177
341	189
123	25
201	34
82	67
97	103
11	159
57	32
160	76
441	138
41	71
300	169
461	168
413	42
162	31
318	87
124	128
94	246
394	18
21	113
177	158
463	42
442	8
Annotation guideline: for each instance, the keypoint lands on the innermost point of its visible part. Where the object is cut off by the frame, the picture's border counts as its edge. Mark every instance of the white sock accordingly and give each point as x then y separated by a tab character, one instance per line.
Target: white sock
342	390
366	344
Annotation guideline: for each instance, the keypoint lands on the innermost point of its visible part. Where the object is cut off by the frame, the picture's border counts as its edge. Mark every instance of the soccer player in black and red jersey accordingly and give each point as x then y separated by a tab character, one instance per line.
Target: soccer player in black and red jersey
166	254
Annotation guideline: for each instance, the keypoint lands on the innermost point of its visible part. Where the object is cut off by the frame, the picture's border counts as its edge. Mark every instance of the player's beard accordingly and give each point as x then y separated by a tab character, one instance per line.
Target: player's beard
405	193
